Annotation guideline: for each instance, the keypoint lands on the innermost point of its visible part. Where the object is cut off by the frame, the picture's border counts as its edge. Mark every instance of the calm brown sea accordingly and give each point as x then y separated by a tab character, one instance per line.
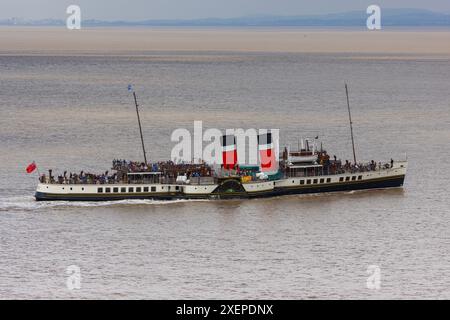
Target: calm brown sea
74	112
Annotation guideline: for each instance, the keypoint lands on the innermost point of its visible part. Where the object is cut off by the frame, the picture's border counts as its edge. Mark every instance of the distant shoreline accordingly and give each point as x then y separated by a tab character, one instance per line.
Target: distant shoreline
254	28
398	17
138	40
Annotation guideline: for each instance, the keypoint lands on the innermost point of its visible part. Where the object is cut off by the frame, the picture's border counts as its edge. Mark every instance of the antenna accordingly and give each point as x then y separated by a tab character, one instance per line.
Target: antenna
351	123
130	88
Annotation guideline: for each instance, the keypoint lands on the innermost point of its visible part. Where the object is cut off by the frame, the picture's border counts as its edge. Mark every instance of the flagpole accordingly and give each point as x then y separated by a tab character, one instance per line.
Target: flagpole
37	169
140	127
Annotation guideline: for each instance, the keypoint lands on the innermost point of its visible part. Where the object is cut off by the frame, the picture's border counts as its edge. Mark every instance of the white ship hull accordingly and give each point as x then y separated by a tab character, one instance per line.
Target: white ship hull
228	188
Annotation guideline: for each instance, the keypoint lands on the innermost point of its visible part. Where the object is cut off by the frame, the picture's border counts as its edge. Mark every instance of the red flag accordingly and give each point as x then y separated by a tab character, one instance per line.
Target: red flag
31	167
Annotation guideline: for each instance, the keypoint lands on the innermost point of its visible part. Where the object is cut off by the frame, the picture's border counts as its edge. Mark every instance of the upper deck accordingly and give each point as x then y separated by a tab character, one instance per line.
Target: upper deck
211	176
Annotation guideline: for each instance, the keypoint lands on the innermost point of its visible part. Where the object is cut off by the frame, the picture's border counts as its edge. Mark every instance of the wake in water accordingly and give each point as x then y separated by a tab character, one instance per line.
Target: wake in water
28	203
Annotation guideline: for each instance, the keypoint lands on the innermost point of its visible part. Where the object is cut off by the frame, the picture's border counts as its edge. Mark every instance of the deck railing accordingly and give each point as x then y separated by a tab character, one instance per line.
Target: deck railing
286	173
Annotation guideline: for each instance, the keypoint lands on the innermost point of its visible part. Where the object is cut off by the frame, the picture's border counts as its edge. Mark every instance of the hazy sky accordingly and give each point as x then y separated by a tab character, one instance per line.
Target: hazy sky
188	9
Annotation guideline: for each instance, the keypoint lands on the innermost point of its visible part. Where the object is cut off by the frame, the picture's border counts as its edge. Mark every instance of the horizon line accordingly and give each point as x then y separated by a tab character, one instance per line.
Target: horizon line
320	18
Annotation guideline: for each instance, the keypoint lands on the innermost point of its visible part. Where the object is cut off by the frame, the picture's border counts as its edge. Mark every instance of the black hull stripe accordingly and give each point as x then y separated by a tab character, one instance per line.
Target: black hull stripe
343	183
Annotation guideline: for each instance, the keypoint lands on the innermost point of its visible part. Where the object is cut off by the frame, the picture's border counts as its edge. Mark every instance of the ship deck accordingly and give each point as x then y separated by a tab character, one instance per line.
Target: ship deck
225	188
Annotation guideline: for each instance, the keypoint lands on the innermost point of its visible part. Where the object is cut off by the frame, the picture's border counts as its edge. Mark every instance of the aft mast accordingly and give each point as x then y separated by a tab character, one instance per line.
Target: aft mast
351	123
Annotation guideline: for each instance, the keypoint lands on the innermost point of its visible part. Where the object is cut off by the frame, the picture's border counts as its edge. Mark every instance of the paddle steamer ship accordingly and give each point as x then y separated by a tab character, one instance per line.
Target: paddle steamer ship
306	170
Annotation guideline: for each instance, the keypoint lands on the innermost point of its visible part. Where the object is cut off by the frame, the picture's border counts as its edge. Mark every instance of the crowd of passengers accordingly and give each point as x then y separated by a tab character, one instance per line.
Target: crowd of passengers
81	178
201	169
337	167
348	167
169	171
168	168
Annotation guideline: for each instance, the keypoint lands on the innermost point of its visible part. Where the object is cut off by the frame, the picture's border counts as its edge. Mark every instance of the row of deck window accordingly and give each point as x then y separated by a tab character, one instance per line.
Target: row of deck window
353	178
314	181
328	180
153	189
131	189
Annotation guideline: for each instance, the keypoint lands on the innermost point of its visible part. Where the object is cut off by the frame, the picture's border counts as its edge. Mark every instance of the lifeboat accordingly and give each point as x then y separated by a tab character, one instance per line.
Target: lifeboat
302	156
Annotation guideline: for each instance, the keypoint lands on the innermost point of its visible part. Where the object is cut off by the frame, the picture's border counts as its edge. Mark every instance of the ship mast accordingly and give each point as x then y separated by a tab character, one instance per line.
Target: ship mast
351	124
139	122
